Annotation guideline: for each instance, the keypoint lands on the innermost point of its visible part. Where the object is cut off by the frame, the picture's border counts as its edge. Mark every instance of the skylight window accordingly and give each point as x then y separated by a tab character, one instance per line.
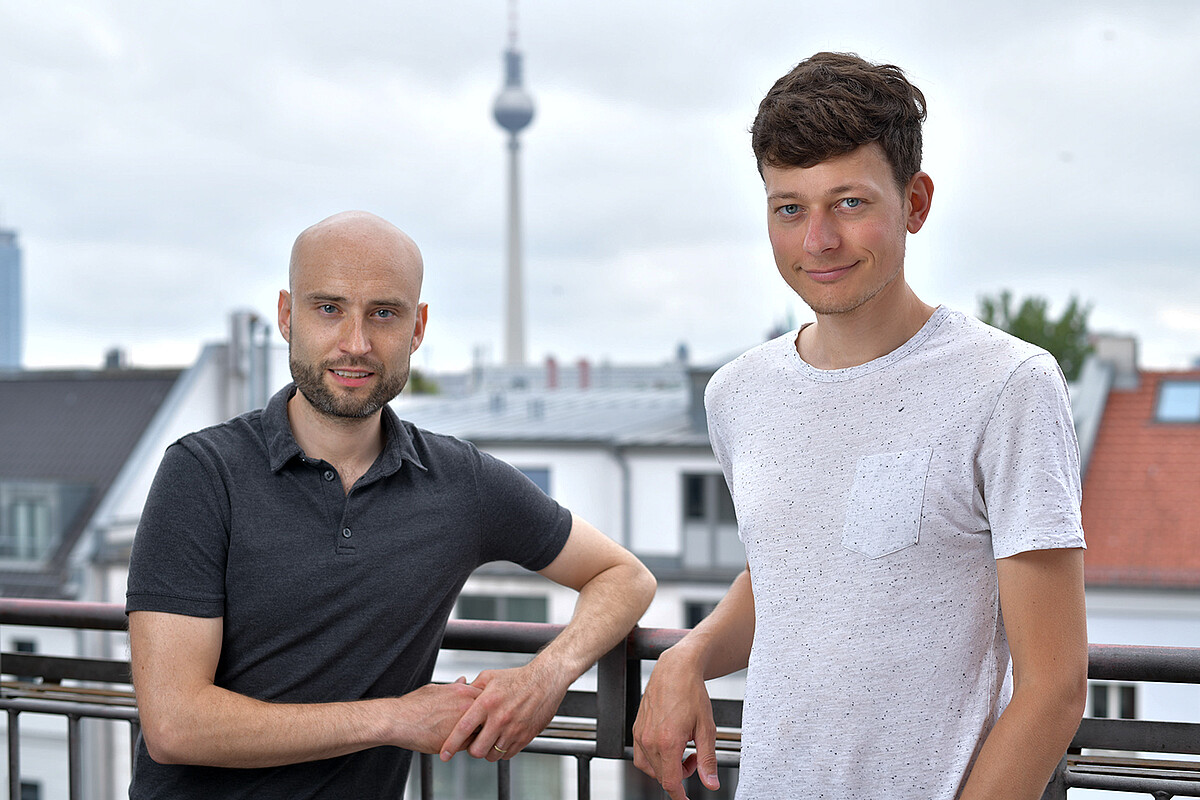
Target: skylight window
1178	401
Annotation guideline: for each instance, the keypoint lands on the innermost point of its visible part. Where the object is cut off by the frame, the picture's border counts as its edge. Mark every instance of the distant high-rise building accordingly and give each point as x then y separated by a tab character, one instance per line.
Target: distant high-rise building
10	301
513	112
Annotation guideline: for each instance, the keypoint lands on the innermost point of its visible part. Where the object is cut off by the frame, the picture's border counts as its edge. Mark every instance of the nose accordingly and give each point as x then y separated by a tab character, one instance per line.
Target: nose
821	235
354	337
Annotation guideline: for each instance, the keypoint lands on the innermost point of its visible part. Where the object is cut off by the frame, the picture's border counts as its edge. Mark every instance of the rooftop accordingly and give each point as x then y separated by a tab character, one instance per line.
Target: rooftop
1141	492
65	436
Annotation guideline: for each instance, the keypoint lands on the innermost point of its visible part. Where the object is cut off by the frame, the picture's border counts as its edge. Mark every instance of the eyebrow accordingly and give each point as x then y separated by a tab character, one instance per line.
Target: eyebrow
319	297
833	191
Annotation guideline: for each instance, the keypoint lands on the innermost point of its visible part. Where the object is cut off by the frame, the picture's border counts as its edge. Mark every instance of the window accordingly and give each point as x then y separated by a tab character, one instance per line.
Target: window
28	647
33	515
1112	700
27	536
539	475
504	608
709	523
1178	401
696	610
31	790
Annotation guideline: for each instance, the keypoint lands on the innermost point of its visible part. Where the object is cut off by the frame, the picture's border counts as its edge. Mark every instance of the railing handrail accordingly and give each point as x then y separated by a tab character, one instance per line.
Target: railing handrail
615	701
1113	662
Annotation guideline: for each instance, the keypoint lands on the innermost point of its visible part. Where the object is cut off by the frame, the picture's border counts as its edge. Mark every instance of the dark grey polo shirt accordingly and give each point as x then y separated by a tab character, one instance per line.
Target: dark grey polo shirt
325	596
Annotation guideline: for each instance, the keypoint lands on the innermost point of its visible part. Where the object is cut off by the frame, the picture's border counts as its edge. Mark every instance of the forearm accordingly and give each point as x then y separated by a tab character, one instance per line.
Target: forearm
1042	600
214	727
721	643
1028	741
608	607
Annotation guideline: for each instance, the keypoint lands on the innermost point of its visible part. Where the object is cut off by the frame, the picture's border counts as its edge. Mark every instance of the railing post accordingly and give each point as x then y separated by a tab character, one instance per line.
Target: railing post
618	690
425	762
14	755
74	758
1057	788
135	730
583	777
504	779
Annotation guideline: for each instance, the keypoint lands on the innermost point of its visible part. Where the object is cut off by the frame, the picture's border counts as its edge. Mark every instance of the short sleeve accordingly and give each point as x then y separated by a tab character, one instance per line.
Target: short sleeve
521	523
179	551
1029	461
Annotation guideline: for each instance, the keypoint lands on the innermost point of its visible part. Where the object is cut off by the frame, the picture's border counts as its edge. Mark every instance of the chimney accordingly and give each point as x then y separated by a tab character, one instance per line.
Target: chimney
698	378
1120	353
115	358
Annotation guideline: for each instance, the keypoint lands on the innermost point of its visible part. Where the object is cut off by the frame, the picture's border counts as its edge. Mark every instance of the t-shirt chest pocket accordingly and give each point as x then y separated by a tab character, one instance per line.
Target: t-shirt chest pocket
883	514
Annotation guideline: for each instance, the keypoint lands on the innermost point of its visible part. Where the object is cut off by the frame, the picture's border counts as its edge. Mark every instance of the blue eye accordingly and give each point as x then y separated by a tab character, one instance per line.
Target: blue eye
852	202
790	208
385	313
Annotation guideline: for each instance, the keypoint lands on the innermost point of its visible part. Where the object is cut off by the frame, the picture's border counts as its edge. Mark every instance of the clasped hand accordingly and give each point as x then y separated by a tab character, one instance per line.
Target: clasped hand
512	707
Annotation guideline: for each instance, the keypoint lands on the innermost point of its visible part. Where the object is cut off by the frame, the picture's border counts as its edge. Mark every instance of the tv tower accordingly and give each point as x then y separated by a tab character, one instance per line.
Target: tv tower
513	111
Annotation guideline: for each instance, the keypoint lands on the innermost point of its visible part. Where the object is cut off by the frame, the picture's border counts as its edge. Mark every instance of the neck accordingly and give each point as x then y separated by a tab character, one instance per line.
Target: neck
350	444
874	329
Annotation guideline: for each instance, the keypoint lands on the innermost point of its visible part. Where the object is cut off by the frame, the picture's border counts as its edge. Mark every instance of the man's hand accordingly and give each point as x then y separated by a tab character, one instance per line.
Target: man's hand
675	709
513	706
433	710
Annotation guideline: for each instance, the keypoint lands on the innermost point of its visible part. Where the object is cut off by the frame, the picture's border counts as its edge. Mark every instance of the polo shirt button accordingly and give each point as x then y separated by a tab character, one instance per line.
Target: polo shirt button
328	474
346	533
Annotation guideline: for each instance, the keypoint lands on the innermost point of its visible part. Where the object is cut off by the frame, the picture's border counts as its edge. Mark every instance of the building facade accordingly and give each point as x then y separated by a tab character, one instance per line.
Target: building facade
627	449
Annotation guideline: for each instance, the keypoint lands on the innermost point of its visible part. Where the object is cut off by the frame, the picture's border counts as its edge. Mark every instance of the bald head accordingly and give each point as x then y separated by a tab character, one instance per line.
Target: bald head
355	230
352	314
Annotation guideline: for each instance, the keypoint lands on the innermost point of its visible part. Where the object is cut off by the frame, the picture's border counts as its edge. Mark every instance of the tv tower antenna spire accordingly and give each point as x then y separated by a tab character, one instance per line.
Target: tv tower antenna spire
513	111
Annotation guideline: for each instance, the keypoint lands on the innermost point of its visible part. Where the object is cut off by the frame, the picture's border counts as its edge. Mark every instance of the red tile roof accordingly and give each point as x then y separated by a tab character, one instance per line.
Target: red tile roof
1141	493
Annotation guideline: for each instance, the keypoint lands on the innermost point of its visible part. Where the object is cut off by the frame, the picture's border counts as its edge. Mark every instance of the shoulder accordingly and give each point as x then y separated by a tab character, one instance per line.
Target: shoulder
448	457
980	342
231	442
438	447
747	369
970	352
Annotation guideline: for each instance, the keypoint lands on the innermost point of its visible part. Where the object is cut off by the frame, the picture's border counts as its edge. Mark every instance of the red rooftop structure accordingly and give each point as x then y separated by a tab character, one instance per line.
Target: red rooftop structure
1141	489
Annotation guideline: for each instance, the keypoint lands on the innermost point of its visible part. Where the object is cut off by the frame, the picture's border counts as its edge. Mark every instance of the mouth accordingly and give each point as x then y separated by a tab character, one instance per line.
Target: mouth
829	275
350	377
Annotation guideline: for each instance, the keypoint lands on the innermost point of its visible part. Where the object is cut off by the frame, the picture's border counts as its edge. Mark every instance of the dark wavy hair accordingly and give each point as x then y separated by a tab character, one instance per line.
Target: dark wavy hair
833	103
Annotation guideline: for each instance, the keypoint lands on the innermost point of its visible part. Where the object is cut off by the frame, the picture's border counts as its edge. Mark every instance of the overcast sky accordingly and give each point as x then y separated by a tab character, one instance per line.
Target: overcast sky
158	158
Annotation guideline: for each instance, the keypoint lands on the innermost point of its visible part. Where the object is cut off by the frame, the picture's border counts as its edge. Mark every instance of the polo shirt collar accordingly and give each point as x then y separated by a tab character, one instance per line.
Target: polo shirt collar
282	447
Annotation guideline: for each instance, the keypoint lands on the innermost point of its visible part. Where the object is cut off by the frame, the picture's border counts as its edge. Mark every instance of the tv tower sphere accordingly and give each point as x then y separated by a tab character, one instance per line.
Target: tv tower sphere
514	107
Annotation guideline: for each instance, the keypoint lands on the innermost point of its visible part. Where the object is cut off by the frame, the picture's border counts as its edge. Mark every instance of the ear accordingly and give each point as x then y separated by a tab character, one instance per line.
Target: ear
918	195
419	326
285	315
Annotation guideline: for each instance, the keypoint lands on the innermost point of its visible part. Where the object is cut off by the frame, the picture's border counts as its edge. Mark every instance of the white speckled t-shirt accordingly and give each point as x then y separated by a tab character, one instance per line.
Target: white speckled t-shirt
873	502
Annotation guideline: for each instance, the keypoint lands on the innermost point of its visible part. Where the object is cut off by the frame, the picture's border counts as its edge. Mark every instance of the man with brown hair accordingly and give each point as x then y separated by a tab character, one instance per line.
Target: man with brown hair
906	482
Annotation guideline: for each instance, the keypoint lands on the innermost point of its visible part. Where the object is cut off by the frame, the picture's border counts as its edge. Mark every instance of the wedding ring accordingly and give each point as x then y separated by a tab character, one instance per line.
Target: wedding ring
498	750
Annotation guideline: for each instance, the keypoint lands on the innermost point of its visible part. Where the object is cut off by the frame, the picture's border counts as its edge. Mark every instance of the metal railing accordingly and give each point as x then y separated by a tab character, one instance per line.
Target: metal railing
598	724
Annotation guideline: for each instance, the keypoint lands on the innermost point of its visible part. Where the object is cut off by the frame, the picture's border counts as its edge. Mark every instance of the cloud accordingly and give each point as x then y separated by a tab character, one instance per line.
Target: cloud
160	158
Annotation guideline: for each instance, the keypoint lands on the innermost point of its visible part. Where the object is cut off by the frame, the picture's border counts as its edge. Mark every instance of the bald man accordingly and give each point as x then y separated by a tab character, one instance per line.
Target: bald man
294	567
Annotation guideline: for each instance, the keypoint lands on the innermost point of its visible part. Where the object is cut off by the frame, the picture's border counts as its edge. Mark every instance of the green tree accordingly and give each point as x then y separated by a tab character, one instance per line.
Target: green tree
1066	338
420	384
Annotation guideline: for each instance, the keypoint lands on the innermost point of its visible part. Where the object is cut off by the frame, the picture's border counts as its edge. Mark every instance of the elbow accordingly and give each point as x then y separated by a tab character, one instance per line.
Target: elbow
1062	702
1076	697
1071	701
646	586
1073	690
167	742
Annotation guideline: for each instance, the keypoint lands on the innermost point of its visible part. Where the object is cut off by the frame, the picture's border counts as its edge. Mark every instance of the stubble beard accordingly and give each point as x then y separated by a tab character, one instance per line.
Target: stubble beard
310	381
854	303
